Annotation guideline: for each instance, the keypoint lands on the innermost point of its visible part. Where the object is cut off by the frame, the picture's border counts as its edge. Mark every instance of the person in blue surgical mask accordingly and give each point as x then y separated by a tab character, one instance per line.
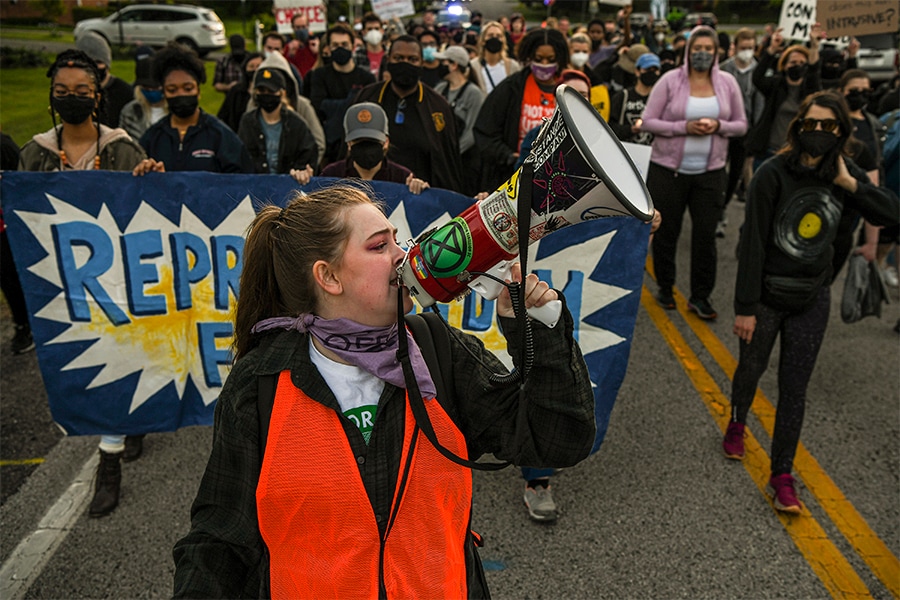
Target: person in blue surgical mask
431	66
149	104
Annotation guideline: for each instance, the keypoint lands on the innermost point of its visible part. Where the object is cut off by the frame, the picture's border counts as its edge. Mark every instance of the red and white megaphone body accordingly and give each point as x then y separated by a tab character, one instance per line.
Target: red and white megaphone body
581	172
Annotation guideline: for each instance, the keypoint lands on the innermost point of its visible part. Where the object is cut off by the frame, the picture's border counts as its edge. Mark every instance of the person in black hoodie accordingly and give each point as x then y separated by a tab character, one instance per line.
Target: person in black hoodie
782	287
277	139
235	103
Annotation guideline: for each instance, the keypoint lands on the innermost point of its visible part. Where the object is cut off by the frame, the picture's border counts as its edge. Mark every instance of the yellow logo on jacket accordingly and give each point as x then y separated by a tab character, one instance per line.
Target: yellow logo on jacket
438	119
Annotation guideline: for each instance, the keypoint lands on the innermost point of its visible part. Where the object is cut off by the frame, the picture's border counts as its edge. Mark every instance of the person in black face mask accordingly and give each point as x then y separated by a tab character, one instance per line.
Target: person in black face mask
277	139
785	77
875	242
189	139
627	106
784	272
421	122
81	143
366	132
333	86
228	68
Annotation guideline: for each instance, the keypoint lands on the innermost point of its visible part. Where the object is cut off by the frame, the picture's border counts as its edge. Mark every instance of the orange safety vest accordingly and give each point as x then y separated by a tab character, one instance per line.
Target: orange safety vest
322	537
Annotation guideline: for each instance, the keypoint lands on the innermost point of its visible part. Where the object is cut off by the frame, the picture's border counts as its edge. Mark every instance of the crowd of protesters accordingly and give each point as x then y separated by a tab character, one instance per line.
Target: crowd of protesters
447	107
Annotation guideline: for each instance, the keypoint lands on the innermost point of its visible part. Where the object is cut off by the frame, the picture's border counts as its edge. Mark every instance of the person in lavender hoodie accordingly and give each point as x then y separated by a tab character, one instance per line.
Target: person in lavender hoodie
692	111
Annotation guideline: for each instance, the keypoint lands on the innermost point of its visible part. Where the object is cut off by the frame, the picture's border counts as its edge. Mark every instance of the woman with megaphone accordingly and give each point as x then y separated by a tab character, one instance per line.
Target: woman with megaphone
691	112
323	481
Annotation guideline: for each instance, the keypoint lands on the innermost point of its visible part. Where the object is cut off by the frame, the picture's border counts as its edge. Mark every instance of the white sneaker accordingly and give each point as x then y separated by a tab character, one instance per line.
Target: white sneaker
889	274
541	506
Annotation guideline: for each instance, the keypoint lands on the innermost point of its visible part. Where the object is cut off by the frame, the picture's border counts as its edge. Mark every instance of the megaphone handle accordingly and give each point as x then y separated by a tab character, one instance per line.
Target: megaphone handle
547	314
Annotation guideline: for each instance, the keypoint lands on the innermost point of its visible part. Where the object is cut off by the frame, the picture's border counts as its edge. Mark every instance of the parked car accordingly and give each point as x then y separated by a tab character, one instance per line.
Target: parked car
701	18
154	25
878	55
454	15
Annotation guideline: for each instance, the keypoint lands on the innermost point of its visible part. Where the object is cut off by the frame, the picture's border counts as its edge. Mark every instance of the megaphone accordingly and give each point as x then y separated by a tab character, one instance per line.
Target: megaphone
569	186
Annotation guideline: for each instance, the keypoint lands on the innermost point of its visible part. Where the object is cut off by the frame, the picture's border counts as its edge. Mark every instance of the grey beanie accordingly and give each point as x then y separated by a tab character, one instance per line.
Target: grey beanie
95	46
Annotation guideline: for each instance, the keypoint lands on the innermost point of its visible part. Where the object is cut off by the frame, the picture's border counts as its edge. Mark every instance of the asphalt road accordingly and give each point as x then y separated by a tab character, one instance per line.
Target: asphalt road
658	512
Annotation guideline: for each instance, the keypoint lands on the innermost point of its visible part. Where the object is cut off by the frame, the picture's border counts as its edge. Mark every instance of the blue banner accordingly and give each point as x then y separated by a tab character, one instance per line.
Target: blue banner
131	284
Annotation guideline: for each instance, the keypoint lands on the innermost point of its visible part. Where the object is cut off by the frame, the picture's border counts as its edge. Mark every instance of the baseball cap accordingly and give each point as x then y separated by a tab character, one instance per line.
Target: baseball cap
456	54
627	58
270	79
365	120
143	72
647	61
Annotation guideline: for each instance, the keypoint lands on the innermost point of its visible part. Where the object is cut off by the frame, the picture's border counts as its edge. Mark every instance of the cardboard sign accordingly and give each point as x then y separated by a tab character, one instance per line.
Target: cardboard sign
388	9
858	17
314	10
797	19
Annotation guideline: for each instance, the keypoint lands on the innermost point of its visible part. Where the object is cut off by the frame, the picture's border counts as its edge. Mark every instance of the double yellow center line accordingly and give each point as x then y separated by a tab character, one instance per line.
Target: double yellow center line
826	560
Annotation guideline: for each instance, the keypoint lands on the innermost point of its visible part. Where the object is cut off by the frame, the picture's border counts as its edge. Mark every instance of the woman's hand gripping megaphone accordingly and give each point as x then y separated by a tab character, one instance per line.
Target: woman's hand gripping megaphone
541	301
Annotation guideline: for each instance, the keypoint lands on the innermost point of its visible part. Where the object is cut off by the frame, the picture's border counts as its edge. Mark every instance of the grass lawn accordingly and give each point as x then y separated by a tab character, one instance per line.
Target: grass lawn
40	34
24	98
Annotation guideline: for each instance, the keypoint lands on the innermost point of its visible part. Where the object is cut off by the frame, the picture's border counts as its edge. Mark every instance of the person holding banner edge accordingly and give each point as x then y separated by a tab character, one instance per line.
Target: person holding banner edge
324	268
81	143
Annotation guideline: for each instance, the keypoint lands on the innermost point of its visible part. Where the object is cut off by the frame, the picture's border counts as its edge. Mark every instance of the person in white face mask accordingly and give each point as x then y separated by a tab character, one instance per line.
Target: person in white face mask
579	53
371	53
741	66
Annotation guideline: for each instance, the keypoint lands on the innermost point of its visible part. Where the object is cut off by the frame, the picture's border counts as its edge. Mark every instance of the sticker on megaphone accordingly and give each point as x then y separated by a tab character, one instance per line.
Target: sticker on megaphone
569	186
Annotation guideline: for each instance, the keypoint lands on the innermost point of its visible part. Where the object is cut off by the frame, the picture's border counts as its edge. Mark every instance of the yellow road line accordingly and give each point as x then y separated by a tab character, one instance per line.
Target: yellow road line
20	462
824	558
874	552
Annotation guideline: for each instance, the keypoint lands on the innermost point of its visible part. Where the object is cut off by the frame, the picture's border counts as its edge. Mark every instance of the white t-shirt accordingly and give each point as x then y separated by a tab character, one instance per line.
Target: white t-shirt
356	390
697	147
156	113
497	74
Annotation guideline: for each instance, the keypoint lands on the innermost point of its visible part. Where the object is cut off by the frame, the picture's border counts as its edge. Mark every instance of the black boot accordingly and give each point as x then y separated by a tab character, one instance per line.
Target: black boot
106	487
134	447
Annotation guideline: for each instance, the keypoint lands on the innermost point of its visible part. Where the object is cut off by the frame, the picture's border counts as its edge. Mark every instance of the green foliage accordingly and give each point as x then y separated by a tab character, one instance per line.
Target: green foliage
80	13
50	9
22	57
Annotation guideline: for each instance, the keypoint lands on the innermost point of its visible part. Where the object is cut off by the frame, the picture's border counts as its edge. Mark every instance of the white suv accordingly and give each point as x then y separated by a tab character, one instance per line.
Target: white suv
154	25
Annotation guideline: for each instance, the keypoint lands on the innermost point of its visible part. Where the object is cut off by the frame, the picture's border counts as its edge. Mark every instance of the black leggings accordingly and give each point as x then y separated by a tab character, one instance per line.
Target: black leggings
801	338
703	195
9	283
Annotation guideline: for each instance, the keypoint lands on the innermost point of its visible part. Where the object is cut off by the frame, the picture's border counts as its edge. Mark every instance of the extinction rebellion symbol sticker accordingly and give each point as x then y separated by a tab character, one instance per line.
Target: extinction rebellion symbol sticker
449	250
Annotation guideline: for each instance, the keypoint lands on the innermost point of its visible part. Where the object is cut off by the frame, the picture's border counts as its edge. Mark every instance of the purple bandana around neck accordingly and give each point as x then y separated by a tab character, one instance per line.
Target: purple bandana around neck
373	349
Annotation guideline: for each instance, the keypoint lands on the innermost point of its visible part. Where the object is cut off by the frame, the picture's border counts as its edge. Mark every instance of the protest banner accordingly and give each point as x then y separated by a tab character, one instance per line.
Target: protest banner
389	9
131	293
316	14
858	17
797	19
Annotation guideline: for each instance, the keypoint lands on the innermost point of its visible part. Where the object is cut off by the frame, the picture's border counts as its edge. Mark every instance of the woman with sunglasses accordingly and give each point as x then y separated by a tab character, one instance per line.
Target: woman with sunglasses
784	271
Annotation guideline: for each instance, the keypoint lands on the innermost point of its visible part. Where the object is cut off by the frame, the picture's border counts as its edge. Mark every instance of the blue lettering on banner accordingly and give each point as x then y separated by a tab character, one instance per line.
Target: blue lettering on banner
77	280
135	247
227	277
210	355
183	244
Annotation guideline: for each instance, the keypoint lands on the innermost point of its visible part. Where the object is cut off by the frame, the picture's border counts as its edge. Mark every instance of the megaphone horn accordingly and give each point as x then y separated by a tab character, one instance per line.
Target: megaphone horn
569	186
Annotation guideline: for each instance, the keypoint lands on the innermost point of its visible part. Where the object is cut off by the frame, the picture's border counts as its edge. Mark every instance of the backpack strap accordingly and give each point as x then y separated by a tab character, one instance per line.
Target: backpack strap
265	401
433	339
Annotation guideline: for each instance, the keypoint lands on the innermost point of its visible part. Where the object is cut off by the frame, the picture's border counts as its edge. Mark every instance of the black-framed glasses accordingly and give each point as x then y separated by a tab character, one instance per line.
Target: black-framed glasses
808	124
400	117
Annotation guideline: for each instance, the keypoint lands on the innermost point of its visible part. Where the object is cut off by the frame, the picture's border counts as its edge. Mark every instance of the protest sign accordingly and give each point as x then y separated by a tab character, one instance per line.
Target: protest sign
316	14
858	17
389	9
797	19
131	293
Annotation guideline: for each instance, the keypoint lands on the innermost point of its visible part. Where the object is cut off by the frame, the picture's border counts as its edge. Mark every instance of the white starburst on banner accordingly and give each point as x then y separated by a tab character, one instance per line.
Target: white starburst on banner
163	348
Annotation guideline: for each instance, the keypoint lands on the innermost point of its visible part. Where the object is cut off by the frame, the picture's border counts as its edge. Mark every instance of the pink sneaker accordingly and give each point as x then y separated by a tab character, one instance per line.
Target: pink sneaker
733	444
783	490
